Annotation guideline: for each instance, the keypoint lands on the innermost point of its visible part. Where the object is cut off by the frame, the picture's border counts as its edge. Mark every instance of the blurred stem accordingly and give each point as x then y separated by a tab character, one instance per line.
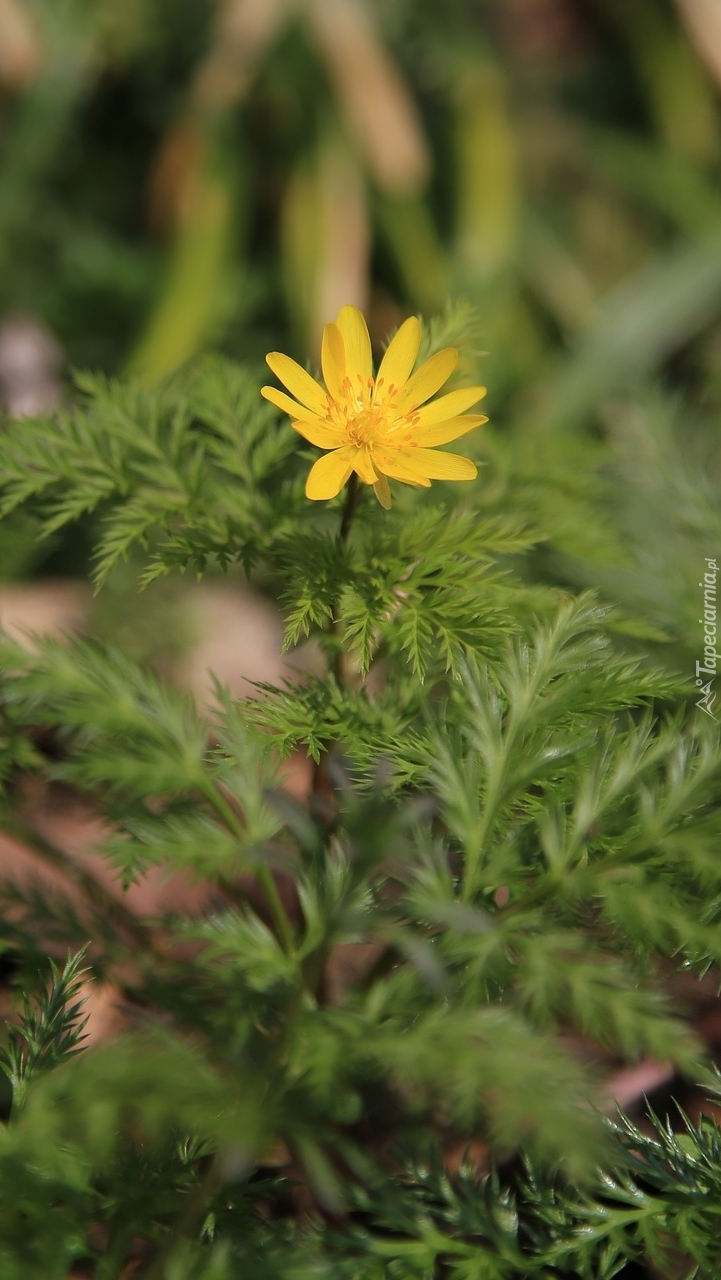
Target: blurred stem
408	229
111	1263
187	1225
263	875
322	789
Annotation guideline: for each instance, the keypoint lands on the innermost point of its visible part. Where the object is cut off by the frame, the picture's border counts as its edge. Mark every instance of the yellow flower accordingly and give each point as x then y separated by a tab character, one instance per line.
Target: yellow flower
378	427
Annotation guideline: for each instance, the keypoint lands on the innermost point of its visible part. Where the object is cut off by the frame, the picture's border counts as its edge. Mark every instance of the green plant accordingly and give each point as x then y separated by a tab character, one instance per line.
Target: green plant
511	825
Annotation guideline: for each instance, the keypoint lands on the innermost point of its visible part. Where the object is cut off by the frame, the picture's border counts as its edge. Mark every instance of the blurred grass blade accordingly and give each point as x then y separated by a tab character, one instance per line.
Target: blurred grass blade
680	93
193	298
325	239
667	183
371	93
554	274
639	325
407	227
20	48
488	196
702	19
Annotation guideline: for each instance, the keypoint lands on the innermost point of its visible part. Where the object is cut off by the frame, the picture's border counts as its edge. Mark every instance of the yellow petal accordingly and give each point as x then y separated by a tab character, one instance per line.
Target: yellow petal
357	343
364	466
390	462
284	402
399	359
328	475
449	406
298	382
444	432
332	359
382	491
319	433
428	379
439	466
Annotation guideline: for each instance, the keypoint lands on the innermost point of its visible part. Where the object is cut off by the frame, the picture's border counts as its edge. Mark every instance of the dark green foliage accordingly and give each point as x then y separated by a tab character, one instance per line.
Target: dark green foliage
661	1204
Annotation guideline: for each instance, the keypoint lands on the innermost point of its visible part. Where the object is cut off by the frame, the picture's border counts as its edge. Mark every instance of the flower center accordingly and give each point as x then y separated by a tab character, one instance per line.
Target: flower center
366	420
365	428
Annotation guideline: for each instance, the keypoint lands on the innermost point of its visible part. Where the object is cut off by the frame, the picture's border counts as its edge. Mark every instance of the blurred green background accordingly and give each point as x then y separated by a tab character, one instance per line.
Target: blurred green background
181	173
177	175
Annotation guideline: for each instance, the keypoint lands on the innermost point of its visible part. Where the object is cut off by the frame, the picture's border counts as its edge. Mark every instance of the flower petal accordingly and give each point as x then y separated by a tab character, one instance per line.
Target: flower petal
298	382
363	465
390	462
382	491
444	432
399	359
357	343
284	402
328	475
428	379
332	359
449	406
322	434
435	465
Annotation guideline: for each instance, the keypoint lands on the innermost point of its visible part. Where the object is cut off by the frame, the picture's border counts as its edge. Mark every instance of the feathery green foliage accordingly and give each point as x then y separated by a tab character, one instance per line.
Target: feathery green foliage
509	839
149	461
511	843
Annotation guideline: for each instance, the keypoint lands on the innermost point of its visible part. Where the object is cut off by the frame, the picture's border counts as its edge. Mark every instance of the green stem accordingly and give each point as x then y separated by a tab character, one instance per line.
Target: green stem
189	1221
228	815
349	509
321	788
112	1264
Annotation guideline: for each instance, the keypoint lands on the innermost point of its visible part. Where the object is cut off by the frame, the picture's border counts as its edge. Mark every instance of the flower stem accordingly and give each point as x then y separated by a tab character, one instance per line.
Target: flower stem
349	509
322	801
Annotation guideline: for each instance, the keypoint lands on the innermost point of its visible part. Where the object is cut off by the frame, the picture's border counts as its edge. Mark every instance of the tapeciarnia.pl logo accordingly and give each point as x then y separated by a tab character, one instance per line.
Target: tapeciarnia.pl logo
710	656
